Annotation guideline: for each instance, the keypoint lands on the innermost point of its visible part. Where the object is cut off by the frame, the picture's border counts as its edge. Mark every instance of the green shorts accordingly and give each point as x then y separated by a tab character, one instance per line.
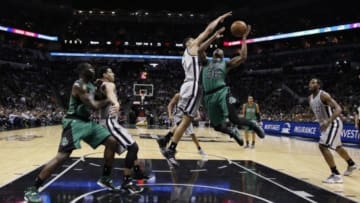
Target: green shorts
216	106
75	130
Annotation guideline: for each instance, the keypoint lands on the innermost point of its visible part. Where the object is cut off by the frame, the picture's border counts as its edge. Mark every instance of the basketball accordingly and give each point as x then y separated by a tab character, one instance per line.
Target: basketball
238	28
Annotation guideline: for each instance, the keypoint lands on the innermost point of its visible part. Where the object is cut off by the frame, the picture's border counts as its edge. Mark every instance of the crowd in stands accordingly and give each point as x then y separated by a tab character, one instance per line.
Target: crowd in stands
35	87
37	94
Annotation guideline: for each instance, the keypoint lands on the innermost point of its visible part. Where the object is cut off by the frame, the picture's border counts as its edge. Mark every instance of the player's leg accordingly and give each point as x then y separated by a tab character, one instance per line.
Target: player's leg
217	110
169	153
351	164
247	137
101	135
337	145
31	193
69	141
326	141
253	139
240	122
164	140
335	176
126	141
188	105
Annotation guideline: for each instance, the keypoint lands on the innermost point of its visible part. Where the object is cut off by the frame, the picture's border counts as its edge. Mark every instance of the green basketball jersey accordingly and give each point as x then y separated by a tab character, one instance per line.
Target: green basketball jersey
250	111
213	75
76	106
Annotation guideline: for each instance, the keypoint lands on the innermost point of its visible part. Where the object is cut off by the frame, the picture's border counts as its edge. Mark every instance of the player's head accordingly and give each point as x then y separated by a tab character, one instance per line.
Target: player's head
105	72
218	54
86	71
250	99
314	85
187	41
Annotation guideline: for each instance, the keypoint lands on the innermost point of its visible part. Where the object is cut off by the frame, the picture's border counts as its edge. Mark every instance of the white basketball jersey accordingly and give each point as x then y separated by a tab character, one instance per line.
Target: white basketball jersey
191	67
321	111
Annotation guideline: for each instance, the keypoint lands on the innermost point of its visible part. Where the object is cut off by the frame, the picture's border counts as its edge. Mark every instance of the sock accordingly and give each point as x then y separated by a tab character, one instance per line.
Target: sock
334	170
38	182
247	143
199	148
173	146
106	171
253	143
168	136
350	162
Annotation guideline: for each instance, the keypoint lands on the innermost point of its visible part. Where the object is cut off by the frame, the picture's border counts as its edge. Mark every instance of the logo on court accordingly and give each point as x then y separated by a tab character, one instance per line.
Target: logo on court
286	128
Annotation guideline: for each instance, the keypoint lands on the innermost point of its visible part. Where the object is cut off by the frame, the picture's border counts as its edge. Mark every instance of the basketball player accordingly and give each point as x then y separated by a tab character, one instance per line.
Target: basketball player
251	111
217	100
171	109
357	117
106	89
190	92
327	112
77	126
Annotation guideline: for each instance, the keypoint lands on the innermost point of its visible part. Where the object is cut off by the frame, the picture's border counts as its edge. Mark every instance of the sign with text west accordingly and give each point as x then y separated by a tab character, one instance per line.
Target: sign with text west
307	129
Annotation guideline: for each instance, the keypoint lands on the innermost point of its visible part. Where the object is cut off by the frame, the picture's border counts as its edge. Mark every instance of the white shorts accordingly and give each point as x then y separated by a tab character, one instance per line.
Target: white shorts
331	137
190	99
121	134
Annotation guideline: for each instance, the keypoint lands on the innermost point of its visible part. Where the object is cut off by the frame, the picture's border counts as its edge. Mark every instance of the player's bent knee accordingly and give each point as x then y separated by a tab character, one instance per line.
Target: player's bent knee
111	142
131	155
134	148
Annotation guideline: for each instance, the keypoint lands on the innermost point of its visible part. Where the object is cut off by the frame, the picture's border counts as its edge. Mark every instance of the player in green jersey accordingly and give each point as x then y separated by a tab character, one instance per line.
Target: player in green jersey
251	112
217	99
77	126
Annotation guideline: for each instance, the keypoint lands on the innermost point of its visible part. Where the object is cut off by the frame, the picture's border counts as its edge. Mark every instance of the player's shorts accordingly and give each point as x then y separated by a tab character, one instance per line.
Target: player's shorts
331	137
75	130
121	134
190	99
216	106
189	130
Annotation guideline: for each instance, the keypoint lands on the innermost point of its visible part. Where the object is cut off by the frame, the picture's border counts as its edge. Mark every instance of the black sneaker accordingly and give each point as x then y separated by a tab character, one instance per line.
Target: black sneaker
106	182
161	142
258	130
236	135
131	187
170	157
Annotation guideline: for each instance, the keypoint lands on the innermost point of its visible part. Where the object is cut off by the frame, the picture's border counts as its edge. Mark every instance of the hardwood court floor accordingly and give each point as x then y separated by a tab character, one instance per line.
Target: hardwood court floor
21	151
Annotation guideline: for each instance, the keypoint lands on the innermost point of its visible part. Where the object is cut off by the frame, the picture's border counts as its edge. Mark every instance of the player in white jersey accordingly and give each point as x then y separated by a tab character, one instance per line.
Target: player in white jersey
106	89
190	92
327	112
172	109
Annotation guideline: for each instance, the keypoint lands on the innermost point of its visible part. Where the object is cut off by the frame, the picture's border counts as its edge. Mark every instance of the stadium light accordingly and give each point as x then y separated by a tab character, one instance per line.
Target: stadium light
123	56
297	34
28	33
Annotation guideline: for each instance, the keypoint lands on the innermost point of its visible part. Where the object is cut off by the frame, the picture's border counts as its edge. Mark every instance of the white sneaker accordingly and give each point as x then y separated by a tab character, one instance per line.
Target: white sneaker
350	169
333	178
203	155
